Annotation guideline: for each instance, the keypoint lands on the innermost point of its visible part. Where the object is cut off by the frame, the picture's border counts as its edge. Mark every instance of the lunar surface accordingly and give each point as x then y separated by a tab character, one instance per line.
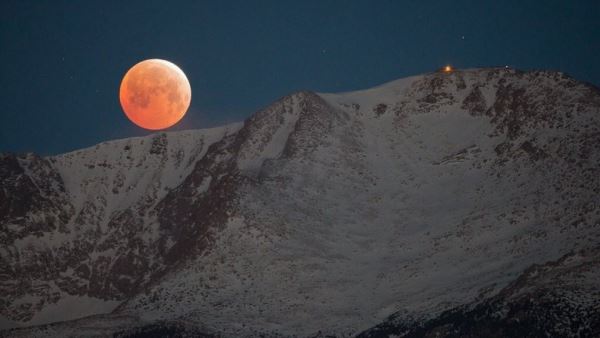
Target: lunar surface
155	94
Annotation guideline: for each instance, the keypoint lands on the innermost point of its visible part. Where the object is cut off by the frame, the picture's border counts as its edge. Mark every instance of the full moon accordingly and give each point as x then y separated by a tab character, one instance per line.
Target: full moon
155	94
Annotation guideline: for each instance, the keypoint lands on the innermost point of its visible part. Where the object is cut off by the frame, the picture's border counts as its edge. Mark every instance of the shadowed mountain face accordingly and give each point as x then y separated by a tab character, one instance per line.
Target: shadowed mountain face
443	203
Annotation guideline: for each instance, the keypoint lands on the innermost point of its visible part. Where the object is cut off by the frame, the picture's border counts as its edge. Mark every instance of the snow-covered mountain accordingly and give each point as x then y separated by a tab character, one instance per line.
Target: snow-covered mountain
402	209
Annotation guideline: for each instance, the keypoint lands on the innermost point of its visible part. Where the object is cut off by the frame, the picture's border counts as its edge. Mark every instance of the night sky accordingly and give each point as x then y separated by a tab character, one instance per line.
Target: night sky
62	61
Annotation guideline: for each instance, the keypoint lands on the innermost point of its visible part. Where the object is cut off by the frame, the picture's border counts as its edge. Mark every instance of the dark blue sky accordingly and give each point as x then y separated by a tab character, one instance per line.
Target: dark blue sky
62	61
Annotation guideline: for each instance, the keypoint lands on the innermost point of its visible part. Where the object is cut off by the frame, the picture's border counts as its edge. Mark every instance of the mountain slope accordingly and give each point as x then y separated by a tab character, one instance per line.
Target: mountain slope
84	223
557	299
327	213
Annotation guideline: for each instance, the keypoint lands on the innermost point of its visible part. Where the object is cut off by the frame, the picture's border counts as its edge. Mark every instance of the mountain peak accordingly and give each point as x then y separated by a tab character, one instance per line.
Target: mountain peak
321	212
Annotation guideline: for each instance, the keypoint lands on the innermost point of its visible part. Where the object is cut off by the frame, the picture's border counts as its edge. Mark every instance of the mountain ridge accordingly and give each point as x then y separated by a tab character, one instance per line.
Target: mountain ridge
330	189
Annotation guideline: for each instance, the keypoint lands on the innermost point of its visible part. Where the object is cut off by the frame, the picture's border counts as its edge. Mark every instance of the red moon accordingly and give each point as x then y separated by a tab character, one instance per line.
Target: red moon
155	94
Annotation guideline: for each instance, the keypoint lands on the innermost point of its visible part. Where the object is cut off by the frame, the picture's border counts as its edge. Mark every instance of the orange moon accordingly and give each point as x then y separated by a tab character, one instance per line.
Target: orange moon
155	94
